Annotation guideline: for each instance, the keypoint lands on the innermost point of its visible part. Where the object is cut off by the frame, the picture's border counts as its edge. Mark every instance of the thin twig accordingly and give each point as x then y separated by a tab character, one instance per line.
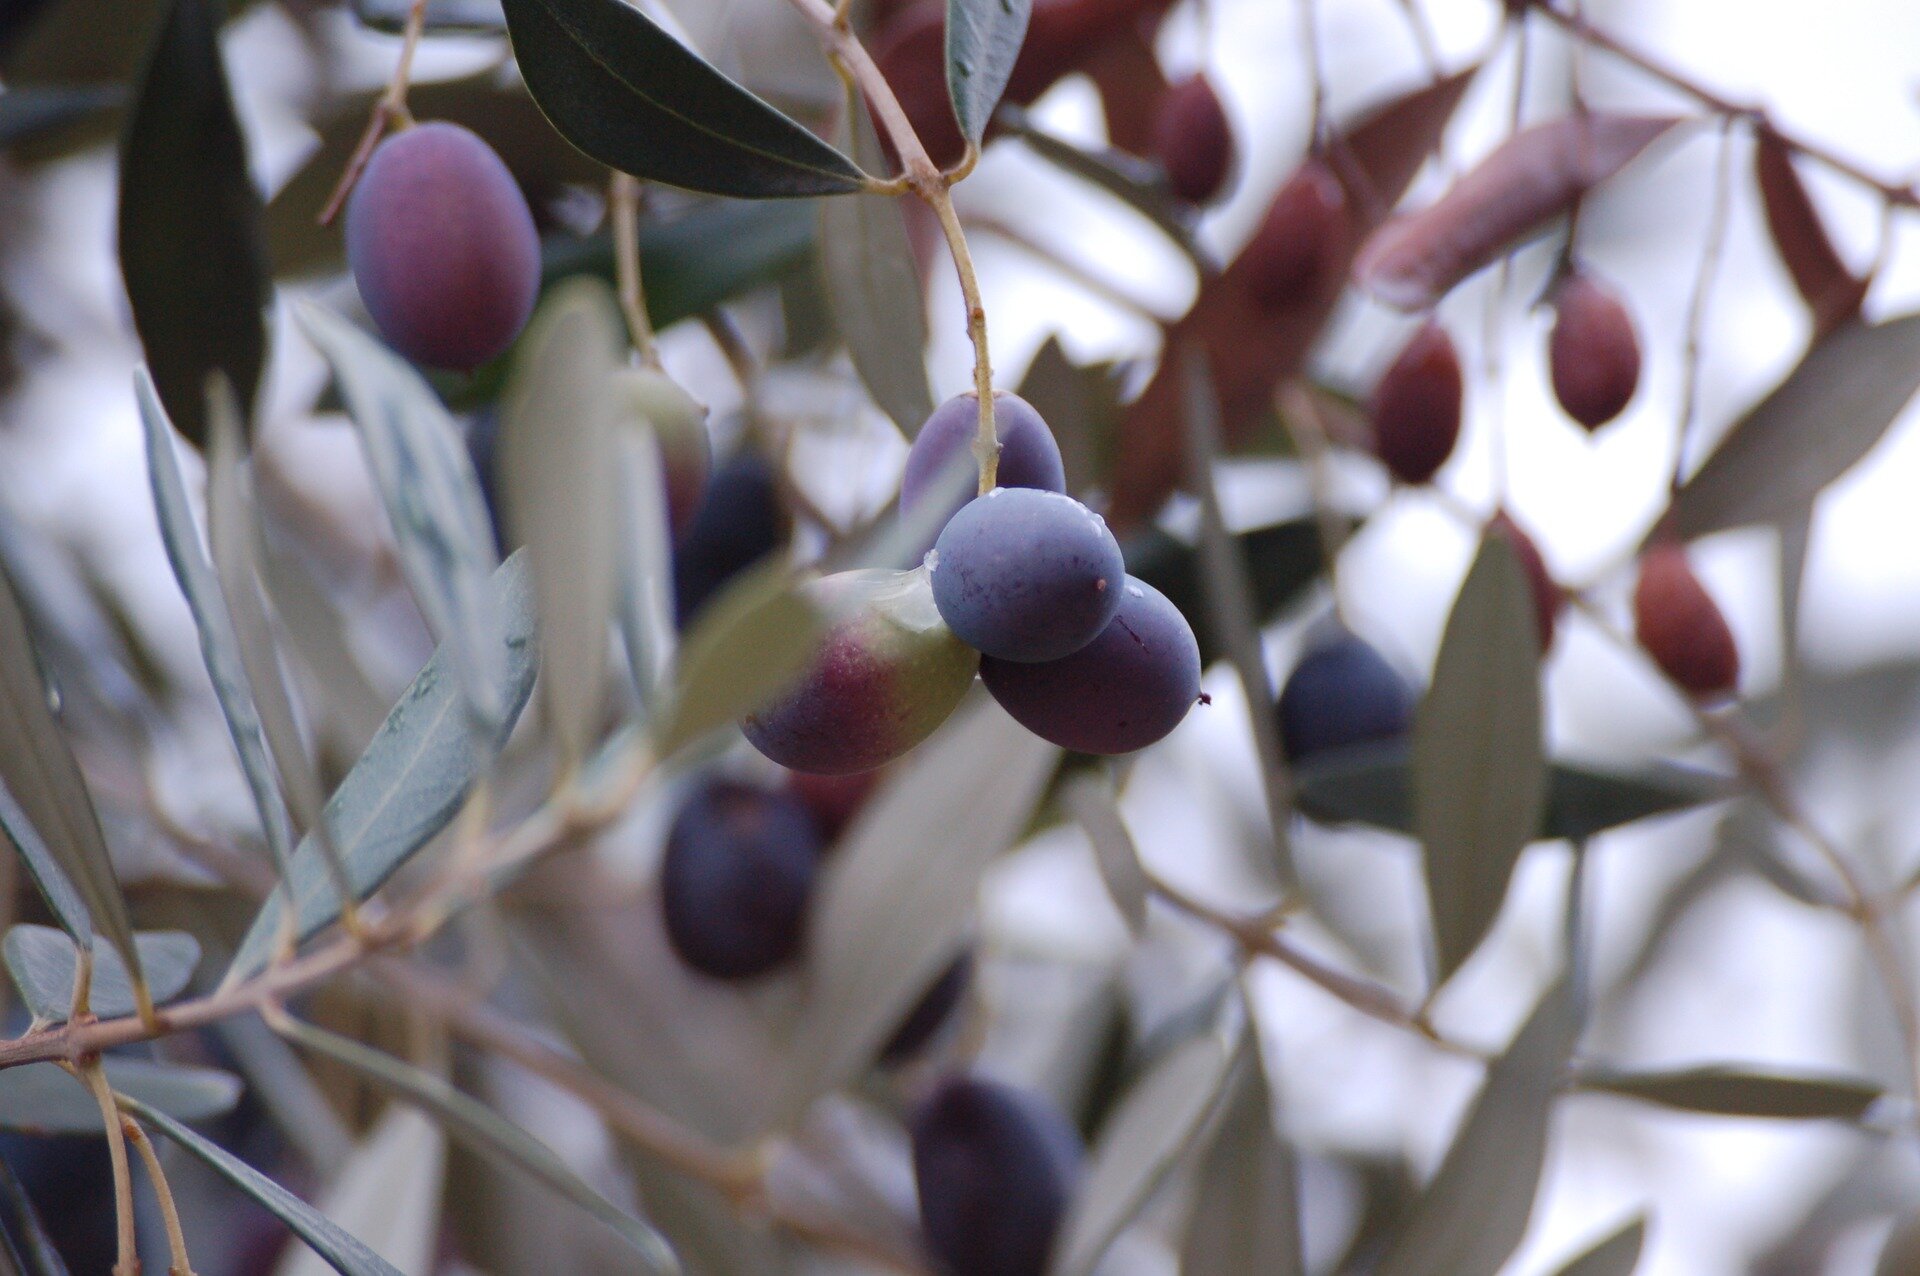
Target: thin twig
623	205
127	1260
390	109
179	1264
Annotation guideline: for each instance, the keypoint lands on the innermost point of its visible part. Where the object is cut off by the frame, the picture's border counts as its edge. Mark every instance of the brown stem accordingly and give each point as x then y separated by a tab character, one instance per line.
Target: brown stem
178	1262
390	109
623	204
127	1259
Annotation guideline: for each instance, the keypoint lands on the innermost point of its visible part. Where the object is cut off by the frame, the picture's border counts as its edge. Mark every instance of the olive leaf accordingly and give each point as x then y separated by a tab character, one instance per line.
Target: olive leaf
44	1098
983	43
27	112
1824	282
557	470
344	1253
1723	1090
30	1248
485	1131
1816	425
1616	1254
192	248
1479	777
873	289
625	92
747	644
644	549
1474	1211
219	646
62	900
1246	1216
1090	799
44	961
432	495
388	1193
408	785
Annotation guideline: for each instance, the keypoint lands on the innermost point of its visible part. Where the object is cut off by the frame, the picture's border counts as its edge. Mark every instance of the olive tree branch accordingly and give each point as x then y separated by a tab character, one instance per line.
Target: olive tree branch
391	108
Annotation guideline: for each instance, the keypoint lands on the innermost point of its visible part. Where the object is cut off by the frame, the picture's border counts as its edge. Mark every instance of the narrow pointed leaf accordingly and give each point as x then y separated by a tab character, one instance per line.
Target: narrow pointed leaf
1143	1138
486	1132
873	289
1473	1213
42	1098
1614	1255
1090	799
1282	560
1814	427
426	479
1533	177
62	900
1479	779
631	96
408	785
342	1251
219	648
39	770
983	42
748	643
1135	182
645	551
43	962
1823	280
892	907
33	1253
556	466
388	1193
192	249
1246	1215
1740	1092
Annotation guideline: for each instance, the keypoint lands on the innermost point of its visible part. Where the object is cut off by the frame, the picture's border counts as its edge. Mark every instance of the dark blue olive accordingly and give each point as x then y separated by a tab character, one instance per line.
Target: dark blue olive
738	872
930	1014
1121	692
1341	694
1029	456
995	1167
1022	574
740	521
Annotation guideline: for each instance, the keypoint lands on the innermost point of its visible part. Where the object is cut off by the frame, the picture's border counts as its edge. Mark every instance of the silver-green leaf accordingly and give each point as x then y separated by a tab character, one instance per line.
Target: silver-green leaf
43	1098
1090	800
410	782
43	962
646	565
749	642
983	42
1246	1214
63	901
342	1251
432	495
1479	777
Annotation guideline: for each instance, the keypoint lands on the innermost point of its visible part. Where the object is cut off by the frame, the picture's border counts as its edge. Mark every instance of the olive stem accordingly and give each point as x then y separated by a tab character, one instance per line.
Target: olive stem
127	1259
623	203
390	109
934	188
178	1263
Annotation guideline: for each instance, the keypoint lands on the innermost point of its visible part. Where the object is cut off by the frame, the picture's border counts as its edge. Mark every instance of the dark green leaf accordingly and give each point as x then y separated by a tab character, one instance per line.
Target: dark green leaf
346	1255
63	901
408	785
1615	1255
433	499
873	290
1135	182
32	1249
556	470
983	42
1474	1212
631	96
1740	1092
1814	427
43	962
1246	1215
1368	784
1153	1125
43	1098
1281	561
219	647
891	909
27	112
192	249
482	17
1479	779
747	644
39	770
485	1131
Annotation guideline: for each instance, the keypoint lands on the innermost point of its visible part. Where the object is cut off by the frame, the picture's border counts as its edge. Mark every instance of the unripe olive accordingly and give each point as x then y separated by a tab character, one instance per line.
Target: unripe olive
1417	406
1193	140
443	247
888	673
1548	597
1301	242
995	1167
1594	352
679	424
1681	627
